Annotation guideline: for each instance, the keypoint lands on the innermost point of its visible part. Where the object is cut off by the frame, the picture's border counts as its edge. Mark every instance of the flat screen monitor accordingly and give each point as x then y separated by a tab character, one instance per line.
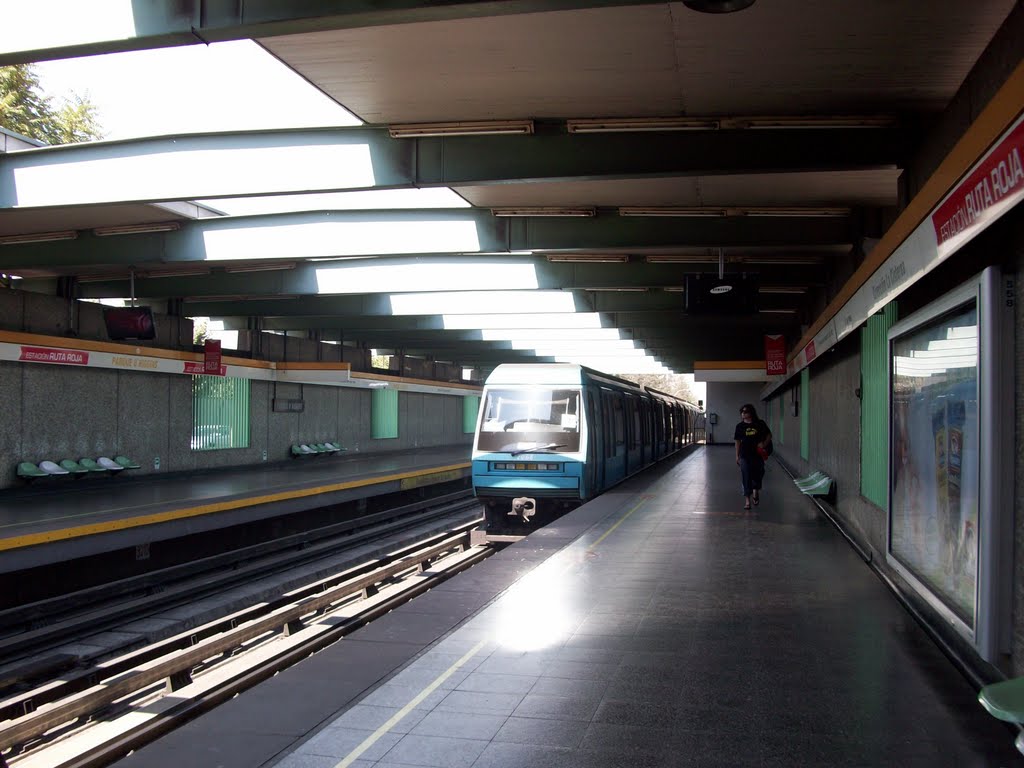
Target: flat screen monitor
129	323
729	295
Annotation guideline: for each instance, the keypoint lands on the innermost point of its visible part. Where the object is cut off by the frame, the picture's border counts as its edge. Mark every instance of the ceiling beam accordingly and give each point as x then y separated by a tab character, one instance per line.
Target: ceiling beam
415	274
202	166
91	28
330	234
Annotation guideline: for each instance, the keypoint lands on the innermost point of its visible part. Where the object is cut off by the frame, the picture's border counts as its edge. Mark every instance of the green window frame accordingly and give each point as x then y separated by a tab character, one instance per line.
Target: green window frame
805	416
874	405
384	414
470	409
220	413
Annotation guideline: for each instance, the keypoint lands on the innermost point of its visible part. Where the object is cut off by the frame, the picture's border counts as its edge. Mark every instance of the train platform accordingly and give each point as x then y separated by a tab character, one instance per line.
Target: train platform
66	518
659	625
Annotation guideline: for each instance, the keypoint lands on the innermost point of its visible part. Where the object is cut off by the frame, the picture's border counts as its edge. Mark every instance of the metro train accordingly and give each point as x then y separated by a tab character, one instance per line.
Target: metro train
552	436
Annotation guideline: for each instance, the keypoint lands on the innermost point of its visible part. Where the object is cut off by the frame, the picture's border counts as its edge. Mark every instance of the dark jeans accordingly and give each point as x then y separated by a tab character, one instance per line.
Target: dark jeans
751	474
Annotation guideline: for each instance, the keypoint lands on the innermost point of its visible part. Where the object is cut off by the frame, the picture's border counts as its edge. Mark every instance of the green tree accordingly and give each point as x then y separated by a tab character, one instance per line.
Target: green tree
668	383
25	109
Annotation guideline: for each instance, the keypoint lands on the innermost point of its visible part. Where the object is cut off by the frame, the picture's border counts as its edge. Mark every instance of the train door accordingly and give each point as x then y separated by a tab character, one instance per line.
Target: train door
594	471
615	437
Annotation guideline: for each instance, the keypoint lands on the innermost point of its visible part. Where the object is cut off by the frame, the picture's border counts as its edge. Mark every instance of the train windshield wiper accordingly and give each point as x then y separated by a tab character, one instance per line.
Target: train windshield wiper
539	449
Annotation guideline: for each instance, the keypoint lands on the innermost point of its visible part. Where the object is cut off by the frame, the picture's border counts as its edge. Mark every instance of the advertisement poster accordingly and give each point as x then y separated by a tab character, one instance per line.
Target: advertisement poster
934	477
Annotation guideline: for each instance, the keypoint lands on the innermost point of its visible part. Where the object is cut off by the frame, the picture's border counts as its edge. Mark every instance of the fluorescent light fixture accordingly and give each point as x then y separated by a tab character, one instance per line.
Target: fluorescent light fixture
38	237
608	289
273	266
673	211
630	124
823	121
797	212
781	289
680	258
512	212
779	260
589	258
718	212
185	272
473	128
777	311
674	289
137	229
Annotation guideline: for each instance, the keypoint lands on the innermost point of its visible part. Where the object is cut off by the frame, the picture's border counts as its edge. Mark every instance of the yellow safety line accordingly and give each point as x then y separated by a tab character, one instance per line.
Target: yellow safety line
31	539
372	739
608	532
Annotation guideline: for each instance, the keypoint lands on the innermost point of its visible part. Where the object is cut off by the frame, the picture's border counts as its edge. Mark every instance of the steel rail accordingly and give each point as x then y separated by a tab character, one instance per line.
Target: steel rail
147	673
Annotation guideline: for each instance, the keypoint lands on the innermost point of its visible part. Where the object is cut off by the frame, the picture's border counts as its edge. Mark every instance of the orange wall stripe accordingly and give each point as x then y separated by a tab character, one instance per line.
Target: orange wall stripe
993	121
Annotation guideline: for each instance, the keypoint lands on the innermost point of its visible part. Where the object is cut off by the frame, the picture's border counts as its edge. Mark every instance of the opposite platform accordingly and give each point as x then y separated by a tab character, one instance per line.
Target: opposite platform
660	625
76	518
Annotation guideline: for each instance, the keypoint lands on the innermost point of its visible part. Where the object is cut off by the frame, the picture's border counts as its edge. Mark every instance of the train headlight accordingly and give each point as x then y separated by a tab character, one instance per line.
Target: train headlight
518	466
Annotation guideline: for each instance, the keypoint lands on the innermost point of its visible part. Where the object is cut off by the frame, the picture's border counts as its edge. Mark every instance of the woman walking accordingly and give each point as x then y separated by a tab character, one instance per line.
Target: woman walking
752	437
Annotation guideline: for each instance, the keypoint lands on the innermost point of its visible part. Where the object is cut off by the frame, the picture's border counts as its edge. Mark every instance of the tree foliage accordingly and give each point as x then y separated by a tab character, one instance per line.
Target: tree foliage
26	110
668	383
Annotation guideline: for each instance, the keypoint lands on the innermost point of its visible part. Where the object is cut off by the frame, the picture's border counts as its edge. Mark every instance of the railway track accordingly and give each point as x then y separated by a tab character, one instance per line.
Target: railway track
90	709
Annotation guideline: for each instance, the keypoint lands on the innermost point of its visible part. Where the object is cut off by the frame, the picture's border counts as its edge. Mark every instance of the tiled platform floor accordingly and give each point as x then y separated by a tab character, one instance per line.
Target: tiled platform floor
678	630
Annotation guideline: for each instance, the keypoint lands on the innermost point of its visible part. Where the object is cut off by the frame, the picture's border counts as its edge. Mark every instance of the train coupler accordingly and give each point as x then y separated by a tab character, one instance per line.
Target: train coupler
524	508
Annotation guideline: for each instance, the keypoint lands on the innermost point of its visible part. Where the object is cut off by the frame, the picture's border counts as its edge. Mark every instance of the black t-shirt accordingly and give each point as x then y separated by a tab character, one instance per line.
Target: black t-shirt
749	436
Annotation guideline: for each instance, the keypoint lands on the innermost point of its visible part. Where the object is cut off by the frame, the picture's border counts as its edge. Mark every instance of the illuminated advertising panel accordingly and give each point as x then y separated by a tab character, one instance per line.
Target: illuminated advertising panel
949	533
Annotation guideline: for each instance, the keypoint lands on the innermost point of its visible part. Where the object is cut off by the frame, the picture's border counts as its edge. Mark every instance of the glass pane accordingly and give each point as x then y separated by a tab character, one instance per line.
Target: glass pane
934	477
539	417
220	413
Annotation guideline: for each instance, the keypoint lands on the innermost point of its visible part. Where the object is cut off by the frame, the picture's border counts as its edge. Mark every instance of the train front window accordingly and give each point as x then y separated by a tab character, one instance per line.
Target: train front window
530	419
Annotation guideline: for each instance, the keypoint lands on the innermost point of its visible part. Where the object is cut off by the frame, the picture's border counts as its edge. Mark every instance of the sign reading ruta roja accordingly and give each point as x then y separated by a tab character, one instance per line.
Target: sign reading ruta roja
53	355
997	182
775	354
212	357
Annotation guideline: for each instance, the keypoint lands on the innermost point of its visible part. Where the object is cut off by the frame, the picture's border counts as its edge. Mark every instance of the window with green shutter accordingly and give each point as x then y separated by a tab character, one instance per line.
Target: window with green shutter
470	407
220	413
874	406
384	413
805	416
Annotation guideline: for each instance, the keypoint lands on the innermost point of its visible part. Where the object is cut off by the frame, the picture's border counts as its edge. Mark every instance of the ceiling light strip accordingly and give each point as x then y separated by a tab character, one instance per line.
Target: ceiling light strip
38	237
517	212
471	128
137	229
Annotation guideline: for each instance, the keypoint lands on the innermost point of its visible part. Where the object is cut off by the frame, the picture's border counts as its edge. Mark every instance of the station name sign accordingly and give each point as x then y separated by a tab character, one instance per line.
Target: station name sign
997	182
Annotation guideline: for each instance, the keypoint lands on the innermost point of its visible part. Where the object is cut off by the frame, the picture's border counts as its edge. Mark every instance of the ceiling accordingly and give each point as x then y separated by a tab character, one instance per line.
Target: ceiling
792	203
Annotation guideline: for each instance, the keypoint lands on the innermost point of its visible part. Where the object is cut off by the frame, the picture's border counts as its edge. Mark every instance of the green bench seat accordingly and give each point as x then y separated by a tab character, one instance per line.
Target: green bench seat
91	465
29	471
312	449
1005	701
816	484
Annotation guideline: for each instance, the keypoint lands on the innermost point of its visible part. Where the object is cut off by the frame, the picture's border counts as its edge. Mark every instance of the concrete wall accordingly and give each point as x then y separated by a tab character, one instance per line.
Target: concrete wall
725	399
64	412
834	413
59	412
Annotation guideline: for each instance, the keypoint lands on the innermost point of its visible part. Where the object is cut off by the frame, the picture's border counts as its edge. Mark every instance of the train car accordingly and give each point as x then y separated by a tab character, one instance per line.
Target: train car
552	436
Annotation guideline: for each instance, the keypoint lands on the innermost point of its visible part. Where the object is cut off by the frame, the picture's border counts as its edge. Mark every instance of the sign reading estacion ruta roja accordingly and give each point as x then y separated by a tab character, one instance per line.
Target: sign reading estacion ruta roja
996	184
211	358
775	354
53	355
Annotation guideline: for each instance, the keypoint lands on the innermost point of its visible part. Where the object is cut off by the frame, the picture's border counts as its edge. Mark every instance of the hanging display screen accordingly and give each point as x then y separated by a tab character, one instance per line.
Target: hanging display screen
934	486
